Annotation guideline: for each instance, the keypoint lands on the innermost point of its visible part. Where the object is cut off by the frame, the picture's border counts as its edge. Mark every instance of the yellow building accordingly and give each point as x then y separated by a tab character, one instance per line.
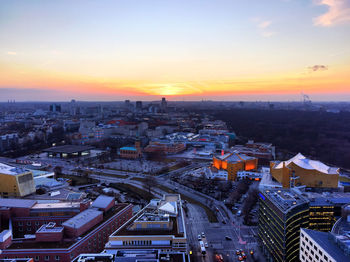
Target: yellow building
160	225
15	182
301	171
234	162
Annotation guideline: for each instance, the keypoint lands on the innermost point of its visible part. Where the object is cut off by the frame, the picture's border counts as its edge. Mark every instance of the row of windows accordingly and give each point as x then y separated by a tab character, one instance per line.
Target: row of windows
305	246
37	258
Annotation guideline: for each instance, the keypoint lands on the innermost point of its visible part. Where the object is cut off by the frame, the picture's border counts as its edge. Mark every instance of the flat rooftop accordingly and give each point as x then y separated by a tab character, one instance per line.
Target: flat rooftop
56	205
17	203
66	243
11	170
68	149
82	218
50	228
284	199
327	241
102	201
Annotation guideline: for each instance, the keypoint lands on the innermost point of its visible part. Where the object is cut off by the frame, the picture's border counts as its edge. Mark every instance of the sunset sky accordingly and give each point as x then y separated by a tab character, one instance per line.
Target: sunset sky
180	49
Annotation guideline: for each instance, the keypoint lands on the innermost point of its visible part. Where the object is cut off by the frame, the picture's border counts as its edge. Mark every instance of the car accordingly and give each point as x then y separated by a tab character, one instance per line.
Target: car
199	238
239	212
243	255
203	235
228	238
219	258
206	244
238	252
240	258
251	252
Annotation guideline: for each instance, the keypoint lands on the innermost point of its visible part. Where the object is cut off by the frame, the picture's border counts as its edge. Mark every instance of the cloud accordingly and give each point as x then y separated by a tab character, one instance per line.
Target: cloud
264	24
11	53
318	68
338	13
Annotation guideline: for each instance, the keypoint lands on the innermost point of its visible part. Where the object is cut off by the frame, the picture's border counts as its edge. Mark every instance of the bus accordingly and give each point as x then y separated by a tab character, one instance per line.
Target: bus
202	247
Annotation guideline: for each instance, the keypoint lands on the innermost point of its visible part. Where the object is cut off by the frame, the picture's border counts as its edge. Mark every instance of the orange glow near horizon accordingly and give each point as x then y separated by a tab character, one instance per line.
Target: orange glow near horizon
319	82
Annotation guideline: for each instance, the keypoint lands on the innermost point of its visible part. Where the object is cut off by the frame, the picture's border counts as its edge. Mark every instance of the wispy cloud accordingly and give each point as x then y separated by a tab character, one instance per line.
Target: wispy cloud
338	13
318	68
264	27
11	53
264	24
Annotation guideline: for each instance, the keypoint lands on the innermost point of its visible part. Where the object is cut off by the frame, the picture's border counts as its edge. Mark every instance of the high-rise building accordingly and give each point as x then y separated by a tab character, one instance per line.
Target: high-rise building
163	105
139	106
282	212
55	108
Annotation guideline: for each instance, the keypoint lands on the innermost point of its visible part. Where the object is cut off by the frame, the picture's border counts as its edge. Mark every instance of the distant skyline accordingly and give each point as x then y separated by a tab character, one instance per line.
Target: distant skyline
270	50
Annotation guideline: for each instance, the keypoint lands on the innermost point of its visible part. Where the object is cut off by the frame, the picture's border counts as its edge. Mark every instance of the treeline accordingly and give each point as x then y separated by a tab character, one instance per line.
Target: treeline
317	134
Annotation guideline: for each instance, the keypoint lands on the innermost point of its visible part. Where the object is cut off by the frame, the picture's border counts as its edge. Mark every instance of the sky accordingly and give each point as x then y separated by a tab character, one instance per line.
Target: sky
270	50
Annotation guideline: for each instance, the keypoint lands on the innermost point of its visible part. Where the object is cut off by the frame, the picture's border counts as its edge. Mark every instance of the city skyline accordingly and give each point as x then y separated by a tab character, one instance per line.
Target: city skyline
182	50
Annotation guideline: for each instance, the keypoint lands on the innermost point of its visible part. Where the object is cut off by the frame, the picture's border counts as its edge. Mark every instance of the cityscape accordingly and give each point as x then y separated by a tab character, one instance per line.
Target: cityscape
175	131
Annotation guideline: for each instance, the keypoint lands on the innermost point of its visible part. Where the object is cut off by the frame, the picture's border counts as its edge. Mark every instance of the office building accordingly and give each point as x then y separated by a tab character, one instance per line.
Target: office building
160	225
58	231
281	215
323	247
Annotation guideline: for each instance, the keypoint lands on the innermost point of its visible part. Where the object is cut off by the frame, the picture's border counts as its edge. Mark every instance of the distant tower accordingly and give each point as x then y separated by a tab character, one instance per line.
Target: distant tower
73	108
163	105
139	106
127	104
55	108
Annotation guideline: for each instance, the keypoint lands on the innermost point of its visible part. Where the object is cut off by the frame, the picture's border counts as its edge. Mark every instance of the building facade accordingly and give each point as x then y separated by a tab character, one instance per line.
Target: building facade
84	232
301	171
281	215
234	162
15	182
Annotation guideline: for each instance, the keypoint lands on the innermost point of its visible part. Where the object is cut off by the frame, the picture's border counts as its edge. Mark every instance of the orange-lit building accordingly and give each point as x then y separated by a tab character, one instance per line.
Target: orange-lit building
301	171
234	162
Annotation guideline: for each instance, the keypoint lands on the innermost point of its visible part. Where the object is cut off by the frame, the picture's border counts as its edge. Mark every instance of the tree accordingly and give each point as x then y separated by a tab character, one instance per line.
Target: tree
149	182
57	170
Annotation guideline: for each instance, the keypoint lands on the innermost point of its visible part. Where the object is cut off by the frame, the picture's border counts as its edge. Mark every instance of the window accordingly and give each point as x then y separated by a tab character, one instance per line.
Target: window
29	223
20	223
57	258
36	258
325	257
47	258
37	223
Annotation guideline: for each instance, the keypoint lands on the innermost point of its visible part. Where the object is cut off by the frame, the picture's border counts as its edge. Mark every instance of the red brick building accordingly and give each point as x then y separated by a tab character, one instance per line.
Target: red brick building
88	232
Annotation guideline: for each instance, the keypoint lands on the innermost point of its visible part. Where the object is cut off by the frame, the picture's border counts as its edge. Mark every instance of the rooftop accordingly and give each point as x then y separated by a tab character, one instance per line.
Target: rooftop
284	199
11	170
68	149
68	242
130	148
50	228
53	205
19	203
327	241
309	164
82	218
102	201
